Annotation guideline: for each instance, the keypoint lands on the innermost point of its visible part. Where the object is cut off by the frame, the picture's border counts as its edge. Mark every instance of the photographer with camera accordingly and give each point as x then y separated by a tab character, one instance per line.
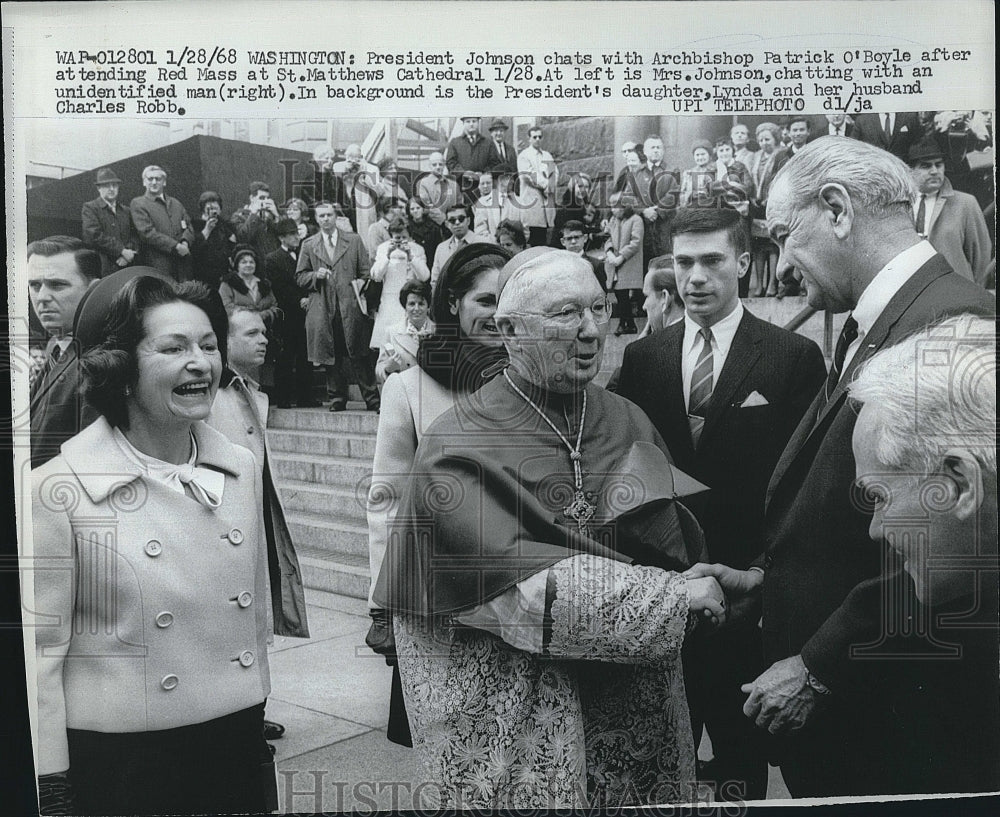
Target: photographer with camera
256	223
397	261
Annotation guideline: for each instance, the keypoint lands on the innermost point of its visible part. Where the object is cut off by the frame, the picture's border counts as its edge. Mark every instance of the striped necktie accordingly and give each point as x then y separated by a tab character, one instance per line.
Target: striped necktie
702	382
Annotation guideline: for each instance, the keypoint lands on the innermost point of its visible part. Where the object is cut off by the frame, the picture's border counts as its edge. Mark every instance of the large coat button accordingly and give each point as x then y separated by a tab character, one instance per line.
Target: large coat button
164	619
153	548
169	682
235	536
247	658
245	599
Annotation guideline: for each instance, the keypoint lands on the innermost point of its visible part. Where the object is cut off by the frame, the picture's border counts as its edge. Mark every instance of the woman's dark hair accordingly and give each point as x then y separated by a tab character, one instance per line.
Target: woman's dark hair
206	197
412	287
411	200
112	367
514	229
448	357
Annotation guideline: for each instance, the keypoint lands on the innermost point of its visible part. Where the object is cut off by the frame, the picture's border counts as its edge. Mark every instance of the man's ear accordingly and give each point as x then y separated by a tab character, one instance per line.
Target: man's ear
743	264
453	305
837	207
962	468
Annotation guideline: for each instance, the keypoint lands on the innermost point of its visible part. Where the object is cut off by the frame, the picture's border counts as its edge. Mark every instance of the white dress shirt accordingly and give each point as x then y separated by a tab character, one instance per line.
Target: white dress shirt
723	333
883	288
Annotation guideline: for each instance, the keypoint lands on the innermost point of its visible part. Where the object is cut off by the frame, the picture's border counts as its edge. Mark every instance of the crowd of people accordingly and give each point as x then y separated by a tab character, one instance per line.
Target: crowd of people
572	583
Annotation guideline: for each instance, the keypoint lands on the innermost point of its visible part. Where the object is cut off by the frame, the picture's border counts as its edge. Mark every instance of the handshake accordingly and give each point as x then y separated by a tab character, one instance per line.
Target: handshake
721	593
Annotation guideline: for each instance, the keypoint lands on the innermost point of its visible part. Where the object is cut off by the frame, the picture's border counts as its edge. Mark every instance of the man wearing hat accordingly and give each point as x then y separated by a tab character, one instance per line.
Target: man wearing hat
950	220
503	158
107	224
467	156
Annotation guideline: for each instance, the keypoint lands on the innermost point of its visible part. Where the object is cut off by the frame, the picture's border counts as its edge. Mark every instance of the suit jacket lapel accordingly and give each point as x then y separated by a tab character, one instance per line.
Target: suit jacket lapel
743	355
340	249
939	204
53	375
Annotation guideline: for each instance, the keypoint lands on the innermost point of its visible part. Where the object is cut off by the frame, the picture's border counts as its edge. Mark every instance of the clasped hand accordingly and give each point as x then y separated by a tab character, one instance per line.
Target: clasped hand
740	586
706	599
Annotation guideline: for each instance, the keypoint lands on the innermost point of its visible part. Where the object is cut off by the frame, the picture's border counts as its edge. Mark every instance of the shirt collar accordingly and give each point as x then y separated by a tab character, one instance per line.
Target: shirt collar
887	282
723	331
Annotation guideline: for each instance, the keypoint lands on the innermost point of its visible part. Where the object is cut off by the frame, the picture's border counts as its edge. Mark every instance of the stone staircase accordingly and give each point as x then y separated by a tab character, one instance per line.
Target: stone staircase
322	462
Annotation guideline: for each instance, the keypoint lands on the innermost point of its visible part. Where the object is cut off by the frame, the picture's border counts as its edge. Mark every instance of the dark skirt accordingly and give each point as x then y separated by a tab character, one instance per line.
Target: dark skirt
216	767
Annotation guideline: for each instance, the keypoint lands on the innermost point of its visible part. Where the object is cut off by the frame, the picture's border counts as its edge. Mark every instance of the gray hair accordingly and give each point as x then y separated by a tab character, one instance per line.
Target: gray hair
878	183
935	390
518	292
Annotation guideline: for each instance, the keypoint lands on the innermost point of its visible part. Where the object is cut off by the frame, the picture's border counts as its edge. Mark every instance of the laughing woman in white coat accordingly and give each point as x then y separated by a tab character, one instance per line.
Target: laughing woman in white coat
151	580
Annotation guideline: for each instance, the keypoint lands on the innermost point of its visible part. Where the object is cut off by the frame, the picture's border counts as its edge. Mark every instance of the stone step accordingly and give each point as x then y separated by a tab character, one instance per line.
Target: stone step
327	443
353	421
336	503
321	533
342	573
344	472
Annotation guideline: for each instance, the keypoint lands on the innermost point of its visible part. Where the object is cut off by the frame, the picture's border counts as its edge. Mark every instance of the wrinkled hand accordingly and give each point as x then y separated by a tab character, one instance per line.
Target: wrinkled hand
780	699
649	214
128	255
303	303
182	249
706	599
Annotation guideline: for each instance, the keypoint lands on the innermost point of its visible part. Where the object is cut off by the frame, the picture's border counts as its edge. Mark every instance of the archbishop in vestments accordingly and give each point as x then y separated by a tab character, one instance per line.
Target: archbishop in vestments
533	575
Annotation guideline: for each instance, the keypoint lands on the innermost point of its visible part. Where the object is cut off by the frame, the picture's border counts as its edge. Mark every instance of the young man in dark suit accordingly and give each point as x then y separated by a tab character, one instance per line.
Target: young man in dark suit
60	271
725	390
841	212
107	224
294	372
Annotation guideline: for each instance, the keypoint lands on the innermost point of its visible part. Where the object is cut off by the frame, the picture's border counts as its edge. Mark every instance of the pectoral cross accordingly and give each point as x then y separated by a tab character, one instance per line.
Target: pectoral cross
580	511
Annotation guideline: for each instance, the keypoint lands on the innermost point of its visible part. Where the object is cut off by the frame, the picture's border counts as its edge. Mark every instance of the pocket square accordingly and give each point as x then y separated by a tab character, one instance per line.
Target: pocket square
904	129
755	398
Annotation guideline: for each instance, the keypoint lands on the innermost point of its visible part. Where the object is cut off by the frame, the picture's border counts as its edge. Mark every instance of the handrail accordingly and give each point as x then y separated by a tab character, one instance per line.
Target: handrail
796	323
804	315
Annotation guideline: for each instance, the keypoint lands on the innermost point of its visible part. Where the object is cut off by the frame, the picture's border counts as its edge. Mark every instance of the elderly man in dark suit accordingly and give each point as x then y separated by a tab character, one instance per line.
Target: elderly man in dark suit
841	212
894	132
60	271
163	226
337	331
725	390
107	224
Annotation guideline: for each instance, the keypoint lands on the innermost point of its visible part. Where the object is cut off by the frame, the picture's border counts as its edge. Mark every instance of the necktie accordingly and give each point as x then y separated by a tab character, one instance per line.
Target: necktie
503	151
847	336
888	128
922	215
328	240
56	353
701	387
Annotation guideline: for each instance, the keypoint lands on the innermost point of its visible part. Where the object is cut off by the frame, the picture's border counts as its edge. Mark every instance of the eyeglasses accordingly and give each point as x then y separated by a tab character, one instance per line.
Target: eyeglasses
571	315
457	219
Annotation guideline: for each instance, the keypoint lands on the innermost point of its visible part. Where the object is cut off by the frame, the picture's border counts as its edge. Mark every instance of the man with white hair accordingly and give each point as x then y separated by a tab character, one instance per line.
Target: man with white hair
925	447
162	226
547	529
841	212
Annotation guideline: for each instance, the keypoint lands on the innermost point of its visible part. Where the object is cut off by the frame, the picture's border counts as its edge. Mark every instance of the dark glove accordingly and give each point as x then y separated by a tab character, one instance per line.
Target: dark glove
380	637
55	794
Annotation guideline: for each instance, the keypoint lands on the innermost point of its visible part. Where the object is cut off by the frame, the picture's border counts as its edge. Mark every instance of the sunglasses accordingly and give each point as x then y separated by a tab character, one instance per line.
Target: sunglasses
457	219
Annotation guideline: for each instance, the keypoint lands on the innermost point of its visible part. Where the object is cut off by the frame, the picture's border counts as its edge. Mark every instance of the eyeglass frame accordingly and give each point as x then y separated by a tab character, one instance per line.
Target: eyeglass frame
457	219
577	311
